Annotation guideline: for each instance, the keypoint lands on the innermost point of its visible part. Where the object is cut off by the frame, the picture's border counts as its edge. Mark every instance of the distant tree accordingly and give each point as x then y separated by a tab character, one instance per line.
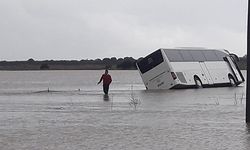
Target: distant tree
107	62
119	60
83	61
31	60
44	67
129	59
242	62
127	63
124	65
73	62
113	59
97	61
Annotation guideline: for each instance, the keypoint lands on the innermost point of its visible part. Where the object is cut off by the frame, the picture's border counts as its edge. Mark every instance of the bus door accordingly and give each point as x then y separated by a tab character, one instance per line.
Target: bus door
235	69
206	73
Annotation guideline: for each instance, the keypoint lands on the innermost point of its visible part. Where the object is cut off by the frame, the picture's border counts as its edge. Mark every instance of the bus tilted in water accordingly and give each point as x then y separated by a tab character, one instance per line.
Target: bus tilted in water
190	67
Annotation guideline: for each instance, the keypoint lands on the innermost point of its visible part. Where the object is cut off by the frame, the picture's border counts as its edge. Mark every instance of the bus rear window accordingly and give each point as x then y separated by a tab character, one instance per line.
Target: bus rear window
150	61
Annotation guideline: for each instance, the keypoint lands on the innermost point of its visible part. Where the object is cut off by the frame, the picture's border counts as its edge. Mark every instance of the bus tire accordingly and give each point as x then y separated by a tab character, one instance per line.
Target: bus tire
231	80
198	83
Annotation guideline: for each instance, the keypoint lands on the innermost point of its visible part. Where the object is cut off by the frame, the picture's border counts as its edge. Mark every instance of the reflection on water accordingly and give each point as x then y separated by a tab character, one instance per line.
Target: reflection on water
247	136
68	118
106	97
248	128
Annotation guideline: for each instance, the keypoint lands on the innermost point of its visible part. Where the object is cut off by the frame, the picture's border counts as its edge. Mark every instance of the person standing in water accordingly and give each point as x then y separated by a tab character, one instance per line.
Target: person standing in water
106	80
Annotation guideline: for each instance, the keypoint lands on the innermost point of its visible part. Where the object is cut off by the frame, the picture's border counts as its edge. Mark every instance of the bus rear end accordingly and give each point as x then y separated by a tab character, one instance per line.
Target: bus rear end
156	72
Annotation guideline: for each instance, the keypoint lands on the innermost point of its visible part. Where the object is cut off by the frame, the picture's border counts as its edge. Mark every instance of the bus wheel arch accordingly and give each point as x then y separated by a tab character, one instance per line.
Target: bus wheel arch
197	81
232	80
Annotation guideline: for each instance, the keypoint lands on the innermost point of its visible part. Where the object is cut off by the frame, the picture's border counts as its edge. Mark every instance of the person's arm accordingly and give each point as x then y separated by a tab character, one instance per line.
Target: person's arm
100	80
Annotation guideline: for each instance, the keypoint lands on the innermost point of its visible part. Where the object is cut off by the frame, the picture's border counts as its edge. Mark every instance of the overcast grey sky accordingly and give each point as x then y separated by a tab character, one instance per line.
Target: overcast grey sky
90	29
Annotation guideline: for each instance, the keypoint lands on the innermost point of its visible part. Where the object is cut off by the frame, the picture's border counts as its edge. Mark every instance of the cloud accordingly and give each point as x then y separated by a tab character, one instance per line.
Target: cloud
81	29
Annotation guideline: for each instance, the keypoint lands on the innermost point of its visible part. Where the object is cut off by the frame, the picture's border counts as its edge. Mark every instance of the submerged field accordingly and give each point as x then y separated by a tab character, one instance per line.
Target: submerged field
74	114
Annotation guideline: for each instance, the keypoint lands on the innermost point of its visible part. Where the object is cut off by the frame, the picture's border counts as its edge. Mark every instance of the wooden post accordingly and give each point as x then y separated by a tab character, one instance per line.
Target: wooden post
248	71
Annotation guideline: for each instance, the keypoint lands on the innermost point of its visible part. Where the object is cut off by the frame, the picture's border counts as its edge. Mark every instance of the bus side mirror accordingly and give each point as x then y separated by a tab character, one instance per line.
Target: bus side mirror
235	57
225	59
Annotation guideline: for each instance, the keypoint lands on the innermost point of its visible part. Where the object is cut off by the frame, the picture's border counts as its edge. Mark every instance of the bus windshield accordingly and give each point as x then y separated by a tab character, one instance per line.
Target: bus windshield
150	61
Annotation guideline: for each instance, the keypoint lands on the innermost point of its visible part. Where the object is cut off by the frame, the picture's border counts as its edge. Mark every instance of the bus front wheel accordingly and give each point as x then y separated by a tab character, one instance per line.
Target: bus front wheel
198	83
231	80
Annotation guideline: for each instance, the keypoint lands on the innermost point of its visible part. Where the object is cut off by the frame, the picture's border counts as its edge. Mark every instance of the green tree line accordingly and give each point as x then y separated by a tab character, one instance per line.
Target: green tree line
126	63
113	63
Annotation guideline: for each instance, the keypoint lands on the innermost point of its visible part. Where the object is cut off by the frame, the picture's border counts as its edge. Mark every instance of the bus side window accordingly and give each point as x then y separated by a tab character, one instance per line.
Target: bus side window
173	55
197	55
186	55
220	55
210	55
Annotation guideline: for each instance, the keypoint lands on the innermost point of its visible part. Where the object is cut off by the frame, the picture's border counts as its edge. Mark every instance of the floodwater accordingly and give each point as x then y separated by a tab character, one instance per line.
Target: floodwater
66	110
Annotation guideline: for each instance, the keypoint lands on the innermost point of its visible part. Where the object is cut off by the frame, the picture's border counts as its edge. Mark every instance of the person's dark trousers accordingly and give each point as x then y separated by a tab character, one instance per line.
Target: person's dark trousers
106	88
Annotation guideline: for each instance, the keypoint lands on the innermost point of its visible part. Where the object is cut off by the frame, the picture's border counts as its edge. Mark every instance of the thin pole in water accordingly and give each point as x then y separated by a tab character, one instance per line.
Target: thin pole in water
248	70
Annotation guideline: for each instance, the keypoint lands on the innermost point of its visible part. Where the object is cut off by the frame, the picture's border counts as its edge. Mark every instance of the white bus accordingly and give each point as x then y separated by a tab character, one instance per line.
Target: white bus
183	68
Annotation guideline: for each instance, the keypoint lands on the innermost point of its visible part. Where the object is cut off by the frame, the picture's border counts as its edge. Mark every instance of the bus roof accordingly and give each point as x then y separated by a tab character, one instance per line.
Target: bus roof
195	48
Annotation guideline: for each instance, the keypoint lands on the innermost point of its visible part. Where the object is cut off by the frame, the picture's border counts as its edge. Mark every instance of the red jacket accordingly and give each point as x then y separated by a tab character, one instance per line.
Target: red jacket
106	79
